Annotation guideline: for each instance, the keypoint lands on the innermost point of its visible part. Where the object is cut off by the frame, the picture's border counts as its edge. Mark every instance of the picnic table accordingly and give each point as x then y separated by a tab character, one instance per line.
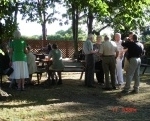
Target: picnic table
70	65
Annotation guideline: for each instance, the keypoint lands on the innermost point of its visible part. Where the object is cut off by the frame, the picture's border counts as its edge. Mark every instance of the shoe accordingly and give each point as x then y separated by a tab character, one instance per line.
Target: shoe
125	91
114	88
134	91
119	86
107	88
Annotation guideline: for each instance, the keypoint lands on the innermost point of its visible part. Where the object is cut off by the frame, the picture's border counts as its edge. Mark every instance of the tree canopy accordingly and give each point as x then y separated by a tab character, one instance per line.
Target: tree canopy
122	16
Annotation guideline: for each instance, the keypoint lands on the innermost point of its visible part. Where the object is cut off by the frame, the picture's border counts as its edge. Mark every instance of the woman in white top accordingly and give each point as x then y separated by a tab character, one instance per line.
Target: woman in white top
32	67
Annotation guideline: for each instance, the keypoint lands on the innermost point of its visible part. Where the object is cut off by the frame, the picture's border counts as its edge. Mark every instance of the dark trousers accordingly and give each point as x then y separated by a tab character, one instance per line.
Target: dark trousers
89	69
100	72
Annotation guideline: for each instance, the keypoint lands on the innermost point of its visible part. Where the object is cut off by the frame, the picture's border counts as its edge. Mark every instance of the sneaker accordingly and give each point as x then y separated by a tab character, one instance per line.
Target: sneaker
135	91
114	88
125	91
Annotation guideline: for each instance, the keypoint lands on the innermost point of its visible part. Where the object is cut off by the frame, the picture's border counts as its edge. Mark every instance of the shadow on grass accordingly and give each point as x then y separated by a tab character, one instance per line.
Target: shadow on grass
89	103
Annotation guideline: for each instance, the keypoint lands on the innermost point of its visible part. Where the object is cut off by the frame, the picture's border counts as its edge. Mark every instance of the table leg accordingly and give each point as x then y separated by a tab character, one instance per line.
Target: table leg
144	70
81	75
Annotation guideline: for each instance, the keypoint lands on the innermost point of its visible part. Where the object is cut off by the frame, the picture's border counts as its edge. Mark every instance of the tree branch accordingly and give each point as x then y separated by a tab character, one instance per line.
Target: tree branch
104	27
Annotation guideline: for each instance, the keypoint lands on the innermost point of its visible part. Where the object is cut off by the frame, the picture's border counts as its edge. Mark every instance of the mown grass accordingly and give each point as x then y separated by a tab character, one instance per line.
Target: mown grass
74	102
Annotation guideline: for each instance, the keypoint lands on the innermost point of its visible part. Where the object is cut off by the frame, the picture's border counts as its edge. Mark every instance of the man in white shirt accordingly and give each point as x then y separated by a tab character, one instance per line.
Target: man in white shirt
109	54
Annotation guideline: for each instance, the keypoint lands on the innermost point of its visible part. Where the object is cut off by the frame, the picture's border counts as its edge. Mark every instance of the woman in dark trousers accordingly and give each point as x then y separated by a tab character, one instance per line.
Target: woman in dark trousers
98	61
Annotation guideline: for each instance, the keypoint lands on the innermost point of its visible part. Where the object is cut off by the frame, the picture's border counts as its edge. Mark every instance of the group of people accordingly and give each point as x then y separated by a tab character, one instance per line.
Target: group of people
107	57
18	57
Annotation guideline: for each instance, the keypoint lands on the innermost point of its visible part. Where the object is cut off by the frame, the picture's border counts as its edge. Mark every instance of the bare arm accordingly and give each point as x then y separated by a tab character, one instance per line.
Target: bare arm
117	53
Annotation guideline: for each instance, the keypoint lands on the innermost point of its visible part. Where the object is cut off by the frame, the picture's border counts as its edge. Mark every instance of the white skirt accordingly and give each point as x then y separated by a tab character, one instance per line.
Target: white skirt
20	70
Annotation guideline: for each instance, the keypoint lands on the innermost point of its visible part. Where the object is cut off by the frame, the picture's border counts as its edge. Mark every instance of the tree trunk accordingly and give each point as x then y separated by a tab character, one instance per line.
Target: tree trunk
43	34
44	31
16	12
76	33
44	38
90	22
75	29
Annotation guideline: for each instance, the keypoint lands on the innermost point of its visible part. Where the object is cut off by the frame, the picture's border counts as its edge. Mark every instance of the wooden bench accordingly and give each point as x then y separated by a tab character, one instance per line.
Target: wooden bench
73	69
69	66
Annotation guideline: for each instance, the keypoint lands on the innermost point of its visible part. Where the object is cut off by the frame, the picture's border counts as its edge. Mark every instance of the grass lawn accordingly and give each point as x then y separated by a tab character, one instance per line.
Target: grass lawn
74	102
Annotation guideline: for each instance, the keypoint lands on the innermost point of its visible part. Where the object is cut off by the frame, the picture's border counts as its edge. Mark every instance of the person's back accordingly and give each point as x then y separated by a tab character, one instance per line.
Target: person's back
57	59
135	49
109	48
109	53
57	64
18	47
19	61
31	63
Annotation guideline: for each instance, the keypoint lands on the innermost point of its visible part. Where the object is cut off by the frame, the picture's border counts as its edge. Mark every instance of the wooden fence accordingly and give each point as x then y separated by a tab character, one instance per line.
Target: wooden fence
67	47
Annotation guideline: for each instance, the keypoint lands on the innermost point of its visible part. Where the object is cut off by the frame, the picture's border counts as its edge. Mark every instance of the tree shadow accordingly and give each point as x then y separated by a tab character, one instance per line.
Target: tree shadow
72	96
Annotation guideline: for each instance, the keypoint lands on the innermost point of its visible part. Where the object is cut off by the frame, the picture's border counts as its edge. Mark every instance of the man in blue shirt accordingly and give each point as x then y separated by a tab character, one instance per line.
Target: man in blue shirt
89	60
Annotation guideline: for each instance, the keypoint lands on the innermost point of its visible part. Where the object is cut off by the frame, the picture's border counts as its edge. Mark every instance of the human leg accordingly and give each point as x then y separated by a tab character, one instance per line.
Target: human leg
19	83
90	64
130	73
112	67
97	67
137	76
106	71
22	84
60	79
101	73
119	73
86	71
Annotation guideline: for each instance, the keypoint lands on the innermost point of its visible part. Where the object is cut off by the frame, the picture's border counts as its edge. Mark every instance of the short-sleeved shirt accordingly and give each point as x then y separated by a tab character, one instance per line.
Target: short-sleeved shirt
18	46
87	47
108	48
